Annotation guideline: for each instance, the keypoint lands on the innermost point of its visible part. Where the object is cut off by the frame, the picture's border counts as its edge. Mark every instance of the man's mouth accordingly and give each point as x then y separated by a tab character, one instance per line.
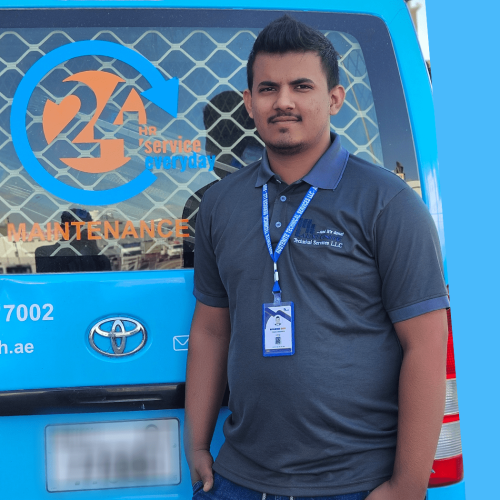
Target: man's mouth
284	118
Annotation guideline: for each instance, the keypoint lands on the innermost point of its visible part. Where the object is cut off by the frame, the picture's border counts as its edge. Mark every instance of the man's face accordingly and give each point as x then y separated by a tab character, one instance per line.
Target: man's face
290	101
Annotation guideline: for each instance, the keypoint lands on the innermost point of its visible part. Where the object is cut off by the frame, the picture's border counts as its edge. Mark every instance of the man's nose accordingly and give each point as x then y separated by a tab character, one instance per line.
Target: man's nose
284	100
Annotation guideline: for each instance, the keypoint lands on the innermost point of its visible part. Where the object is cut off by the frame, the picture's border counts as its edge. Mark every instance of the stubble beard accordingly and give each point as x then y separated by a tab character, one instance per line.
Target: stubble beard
285	146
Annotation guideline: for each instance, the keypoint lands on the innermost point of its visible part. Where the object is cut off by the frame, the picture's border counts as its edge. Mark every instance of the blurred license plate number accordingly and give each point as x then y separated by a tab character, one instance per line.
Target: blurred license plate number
103	455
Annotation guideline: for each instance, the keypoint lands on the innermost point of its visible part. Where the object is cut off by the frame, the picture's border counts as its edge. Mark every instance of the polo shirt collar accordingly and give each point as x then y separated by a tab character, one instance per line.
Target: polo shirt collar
326	174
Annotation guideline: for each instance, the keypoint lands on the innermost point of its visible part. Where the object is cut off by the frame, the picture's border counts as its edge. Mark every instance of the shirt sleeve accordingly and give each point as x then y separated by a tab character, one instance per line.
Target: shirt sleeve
208	286
409	258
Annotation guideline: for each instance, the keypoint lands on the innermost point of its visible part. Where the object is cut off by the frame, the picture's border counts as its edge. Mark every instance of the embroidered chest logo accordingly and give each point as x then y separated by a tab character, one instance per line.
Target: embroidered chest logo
306	234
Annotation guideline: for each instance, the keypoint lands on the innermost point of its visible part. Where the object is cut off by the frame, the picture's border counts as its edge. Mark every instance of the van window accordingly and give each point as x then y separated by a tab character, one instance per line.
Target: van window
79	133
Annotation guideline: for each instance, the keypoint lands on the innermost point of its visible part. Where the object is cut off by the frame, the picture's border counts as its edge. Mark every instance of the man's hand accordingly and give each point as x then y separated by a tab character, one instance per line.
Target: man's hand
201	468
388	491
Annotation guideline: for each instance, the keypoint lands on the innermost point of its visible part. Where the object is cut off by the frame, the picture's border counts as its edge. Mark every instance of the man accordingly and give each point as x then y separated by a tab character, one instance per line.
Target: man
350	400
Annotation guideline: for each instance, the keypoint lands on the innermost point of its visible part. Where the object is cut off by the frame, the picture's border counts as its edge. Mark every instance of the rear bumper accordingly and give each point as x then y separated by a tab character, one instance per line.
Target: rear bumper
23	455
453	492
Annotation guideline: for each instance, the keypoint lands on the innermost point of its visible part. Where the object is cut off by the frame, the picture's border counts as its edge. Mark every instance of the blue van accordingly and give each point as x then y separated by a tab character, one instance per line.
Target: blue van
115	117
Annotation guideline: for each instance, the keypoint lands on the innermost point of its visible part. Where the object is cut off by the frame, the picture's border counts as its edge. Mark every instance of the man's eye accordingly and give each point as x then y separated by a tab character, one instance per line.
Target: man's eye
303	87
266	89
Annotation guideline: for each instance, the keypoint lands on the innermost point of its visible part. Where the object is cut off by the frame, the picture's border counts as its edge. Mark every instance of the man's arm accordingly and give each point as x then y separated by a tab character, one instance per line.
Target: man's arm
422	390
206	381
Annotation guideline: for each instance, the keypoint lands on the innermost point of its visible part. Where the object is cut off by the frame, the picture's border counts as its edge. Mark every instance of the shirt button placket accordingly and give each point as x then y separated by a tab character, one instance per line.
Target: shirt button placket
282	199
276	220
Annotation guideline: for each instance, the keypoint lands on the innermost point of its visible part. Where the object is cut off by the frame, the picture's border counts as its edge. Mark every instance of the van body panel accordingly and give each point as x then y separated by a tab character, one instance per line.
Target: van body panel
162	302
386	10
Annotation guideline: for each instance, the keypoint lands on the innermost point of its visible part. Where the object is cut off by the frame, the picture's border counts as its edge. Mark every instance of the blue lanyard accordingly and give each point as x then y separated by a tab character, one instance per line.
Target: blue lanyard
285	236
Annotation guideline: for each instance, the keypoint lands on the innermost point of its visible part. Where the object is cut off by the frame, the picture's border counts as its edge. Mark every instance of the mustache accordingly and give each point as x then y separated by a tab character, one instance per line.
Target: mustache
271	119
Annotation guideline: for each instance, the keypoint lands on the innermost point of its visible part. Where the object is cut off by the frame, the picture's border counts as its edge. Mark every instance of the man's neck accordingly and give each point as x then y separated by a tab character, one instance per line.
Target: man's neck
291	168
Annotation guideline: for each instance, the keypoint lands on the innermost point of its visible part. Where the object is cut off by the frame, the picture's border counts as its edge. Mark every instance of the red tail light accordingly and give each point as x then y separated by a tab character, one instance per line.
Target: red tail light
447	471
448	465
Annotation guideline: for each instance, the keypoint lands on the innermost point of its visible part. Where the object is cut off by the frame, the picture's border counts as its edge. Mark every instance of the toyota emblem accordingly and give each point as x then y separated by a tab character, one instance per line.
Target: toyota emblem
118	330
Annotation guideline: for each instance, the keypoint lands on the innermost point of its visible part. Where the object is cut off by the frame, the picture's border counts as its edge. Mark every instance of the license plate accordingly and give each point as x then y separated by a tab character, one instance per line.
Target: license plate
103	455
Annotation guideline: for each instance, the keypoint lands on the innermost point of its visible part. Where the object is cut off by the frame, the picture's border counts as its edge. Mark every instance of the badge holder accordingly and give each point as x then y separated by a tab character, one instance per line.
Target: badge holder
278	329
278	337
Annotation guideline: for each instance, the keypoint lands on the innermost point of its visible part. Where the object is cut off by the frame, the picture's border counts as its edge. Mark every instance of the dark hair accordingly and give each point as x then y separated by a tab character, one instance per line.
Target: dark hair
286	34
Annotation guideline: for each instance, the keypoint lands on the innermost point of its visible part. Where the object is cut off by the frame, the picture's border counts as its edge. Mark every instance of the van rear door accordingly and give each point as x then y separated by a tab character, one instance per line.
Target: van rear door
113	123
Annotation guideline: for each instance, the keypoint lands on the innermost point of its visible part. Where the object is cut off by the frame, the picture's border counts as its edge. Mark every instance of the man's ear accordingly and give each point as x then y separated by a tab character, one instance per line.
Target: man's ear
337	96
247	99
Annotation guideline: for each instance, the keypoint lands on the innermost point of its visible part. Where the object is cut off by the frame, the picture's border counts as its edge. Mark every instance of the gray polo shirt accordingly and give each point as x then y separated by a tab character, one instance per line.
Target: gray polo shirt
364	255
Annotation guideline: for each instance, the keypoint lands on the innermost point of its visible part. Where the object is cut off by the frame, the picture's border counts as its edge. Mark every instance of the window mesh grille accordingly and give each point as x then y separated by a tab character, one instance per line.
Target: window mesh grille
211	67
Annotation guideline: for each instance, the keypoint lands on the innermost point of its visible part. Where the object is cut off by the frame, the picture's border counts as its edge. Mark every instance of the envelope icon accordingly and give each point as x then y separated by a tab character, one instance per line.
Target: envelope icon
181	342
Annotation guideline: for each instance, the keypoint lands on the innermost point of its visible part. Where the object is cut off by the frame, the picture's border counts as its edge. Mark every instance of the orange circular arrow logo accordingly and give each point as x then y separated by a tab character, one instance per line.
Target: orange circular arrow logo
56	117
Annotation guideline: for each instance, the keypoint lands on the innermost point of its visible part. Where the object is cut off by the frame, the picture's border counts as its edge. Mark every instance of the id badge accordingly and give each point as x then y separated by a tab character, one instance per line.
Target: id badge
278	329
